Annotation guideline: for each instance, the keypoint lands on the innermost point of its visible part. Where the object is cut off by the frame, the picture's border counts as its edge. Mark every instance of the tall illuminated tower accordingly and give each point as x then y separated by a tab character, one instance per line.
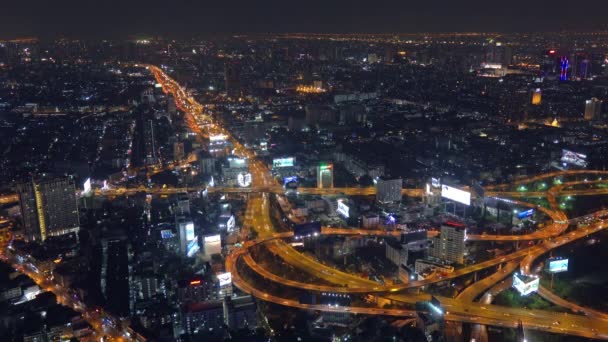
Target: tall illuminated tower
593	109
48	208
325	176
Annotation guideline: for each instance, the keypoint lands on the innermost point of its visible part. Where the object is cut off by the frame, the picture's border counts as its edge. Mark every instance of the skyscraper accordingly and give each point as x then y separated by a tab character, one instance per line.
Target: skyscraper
325	176
449	244
536	96
593	109
389	190
48	208
232	77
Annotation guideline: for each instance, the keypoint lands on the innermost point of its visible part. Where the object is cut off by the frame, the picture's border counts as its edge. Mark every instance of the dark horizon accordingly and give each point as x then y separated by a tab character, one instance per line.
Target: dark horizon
185	19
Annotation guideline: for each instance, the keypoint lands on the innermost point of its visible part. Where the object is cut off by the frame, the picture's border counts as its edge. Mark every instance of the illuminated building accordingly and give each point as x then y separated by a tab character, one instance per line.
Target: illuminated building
593	109
449	244
536	96
48	208
564	65
325	176
186	235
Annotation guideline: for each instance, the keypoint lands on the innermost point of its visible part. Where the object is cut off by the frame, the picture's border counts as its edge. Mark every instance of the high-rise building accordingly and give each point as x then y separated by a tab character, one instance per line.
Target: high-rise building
389	190
171	106
187	239
48	208
232	78
178	151
536	96
593	109
449	244
325	176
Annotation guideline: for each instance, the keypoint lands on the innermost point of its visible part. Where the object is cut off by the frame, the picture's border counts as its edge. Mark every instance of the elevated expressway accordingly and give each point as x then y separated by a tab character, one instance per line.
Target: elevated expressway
457	310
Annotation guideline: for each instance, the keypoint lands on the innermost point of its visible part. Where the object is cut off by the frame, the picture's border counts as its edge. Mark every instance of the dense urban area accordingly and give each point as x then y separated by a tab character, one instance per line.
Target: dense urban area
305	187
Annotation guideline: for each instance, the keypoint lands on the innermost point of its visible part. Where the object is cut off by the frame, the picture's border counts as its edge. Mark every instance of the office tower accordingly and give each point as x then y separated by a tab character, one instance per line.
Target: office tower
188	244
536	96
171	106
593	109
449	244
325	176
389	190
178	151
232	78
48	208
149	143
240	312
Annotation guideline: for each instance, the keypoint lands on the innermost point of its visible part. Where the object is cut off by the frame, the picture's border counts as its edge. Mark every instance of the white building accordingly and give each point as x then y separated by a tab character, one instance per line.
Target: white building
449	244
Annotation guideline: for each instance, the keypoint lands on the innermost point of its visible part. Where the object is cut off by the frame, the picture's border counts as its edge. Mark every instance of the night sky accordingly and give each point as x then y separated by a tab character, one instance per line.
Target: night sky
182	18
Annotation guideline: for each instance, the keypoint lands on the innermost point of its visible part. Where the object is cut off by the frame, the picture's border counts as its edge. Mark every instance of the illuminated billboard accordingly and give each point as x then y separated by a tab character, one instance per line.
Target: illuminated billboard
435	182
456	195
189	231
525	285
86	187
212	244
283	162
231	224
292	179
558	265
244	179
192	248
343	209
525	214
166	234
428	189
574	158
225	278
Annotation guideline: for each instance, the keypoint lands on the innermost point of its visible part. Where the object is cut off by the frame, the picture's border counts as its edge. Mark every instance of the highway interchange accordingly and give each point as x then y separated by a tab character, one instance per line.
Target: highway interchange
583	322
457	309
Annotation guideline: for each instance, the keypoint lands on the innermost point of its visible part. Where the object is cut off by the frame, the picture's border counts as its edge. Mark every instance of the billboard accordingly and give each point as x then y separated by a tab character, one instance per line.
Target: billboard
283	162
574	158
343	209
212	244
225	278
86	187
456	195
166	234
189	231
192	248
292	179
525	214
558	265
525	285
435	182
231	224
244	179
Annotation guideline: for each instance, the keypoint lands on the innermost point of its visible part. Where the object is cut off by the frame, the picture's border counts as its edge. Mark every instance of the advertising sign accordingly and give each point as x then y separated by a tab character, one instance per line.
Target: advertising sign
525	285
292	179
231	224
455	194
283	162
558	265
244	179
86	187
574	158
189	231
343	209
435	182
525	214
225	278
192	248
166	234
